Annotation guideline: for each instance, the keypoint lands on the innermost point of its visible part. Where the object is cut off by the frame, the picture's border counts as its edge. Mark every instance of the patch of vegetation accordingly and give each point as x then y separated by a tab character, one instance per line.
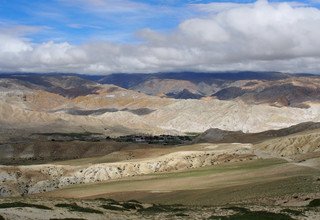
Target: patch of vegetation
124	206
253	215
22	205
155	208
221	168
161	139
85	136
113	207
292	212
75	208
180	214
131	205
109	201
314	203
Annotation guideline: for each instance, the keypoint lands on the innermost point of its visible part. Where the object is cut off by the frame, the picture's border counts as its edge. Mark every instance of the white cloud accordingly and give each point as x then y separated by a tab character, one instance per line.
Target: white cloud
216	7
258	36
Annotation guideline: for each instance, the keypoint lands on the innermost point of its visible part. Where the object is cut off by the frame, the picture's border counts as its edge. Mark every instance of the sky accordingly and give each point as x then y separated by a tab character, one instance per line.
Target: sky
147	36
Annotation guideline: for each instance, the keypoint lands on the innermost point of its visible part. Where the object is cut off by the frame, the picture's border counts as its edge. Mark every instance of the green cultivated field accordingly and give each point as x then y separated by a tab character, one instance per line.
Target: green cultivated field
216	185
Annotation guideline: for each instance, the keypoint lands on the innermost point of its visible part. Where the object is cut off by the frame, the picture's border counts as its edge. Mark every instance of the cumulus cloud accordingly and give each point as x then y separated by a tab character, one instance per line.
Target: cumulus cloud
259	36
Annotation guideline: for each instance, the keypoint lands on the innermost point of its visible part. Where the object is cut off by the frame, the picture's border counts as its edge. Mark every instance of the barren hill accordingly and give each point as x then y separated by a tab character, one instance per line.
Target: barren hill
277	89
215	135
31	103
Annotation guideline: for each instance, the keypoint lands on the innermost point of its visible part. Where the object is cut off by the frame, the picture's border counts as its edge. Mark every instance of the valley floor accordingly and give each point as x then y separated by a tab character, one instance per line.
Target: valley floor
254	189
264	181
196	181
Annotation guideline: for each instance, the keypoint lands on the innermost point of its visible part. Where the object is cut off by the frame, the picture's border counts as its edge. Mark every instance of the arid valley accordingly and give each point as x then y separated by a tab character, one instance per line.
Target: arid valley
160	109
93	145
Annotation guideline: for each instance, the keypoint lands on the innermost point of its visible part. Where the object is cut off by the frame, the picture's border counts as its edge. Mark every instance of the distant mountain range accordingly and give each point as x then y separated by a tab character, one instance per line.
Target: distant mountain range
274	88
162	103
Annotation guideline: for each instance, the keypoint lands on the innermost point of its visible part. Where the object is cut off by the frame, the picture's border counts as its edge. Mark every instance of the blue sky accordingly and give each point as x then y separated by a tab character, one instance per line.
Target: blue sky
107	36
80	21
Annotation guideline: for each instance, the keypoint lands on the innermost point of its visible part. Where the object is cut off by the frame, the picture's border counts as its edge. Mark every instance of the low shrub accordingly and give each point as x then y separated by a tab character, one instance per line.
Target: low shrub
22	205
113	207
131	205
180	214
314	203
109	201
292	212
75	208
253	215
162	208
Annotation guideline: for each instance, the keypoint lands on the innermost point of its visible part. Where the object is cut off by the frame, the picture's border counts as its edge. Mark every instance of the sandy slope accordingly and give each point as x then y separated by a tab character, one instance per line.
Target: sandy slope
294	145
